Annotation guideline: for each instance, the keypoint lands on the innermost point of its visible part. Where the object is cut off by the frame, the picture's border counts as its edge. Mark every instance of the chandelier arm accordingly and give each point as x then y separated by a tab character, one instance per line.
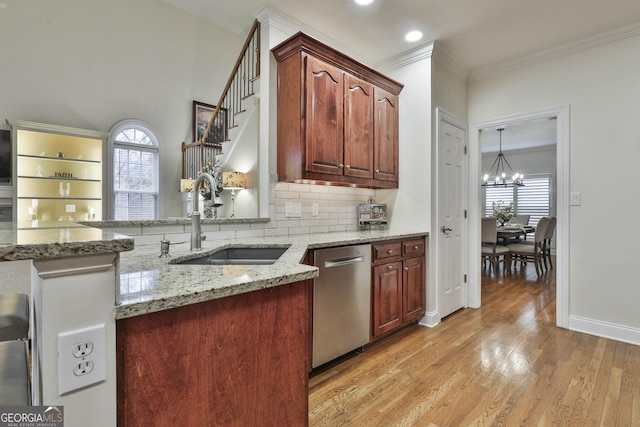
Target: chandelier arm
494	164
505	160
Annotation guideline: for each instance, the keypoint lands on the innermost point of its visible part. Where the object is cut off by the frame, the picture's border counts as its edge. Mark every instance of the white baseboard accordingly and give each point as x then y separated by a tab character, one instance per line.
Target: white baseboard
605	330
430	319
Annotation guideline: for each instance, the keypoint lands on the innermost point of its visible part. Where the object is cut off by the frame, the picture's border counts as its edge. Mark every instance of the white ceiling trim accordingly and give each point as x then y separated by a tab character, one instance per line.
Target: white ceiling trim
287	24
450	62
416	54
564	50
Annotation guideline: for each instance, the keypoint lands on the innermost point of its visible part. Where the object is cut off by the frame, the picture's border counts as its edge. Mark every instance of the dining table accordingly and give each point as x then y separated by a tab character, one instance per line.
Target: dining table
507	233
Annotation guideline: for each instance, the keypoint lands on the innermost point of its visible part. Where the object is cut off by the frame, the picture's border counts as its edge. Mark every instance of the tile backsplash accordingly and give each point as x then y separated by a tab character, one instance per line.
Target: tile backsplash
293	209
335	208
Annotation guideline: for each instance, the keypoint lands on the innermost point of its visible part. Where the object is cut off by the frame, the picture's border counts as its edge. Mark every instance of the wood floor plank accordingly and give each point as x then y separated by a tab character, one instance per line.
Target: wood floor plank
505	364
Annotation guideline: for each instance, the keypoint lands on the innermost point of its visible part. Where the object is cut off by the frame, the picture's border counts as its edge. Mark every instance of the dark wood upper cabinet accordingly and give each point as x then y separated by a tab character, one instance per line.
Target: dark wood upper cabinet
385	152
325	127
337	118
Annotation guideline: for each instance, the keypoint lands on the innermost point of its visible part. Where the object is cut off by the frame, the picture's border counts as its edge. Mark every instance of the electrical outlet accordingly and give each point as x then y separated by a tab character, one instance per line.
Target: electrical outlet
293	210
82	358
82	349
83	368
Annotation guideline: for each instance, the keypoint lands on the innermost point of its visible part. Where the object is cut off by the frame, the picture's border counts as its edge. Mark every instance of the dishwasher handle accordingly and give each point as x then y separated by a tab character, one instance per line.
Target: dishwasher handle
343	261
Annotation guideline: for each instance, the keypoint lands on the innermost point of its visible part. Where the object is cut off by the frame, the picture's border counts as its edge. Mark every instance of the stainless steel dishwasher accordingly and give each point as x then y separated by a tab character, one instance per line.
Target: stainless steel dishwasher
341	301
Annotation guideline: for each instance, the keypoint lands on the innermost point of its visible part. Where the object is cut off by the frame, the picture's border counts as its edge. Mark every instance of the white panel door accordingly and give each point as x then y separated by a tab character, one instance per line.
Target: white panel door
452	228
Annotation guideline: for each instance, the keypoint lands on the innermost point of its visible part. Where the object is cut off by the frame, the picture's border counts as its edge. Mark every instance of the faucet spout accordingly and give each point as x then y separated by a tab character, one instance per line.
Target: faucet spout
196	232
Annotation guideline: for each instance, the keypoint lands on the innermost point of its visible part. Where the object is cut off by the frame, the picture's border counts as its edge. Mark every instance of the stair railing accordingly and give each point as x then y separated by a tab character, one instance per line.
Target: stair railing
239	87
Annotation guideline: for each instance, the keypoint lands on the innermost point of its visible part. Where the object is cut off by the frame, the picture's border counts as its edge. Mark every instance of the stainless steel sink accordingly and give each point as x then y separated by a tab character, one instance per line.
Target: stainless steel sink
238	255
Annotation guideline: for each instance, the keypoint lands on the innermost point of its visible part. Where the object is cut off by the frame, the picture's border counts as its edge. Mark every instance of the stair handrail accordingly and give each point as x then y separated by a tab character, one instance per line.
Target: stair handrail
254	28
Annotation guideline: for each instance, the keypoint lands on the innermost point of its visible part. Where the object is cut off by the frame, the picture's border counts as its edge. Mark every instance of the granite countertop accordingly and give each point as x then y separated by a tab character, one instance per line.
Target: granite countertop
58	239
149	283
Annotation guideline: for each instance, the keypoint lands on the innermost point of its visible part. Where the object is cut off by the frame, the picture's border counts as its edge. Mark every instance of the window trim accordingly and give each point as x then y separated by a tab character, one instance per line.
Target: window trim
113	144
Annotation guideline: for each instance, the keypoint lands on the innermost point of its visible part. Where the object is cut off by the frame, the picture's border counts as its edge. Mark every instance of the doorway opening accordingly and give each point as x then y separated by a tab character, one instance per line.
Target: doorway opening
557	119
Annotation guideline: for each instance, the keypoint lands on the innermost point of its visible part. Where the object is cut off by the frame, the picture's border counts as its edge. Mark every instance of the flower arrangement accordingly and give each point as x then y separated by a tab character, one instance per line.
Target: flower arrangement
503	212
213	169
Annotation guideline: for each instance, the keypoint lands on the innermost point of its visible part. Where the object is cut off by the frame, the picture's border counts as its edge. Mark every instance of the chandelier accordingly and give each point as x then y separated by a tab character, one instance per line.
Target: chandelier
497	175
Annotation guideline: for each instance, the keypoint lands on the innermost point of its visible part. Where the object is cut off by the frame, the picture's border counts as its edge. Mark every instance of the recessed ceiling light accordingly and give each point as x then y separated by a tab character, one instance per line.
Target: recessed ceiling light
364	2
413	36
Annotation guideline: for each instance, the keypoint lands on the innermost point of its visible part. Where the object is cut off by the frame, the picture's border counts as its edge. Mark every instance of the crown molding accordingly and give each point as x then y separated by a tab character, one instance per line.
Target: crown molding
450	62
288	25
560	51
418	53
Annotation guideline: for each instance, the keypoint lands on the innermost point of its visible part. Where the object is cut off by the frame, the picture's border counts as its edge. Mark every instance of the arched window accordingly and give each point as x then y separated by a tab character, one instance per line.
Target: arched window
135	171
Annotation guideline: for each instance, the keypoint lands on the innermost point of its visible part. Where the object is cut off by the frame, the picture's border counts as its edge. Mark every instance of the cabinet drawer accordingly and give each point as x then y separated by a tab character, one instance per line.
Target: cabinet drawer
413	247
387	251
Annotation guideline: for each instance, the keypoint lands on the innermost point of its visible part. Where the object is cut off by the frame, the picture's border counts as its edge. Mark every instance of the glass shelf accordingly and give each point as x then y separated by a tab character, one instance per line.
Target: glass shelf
58	198
58	178
58	159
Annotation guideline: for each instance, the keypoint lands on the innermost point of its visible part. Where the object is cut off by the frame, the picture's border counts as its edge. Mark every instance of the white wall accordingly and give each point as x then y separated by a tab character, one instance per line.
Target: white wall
602	87
90	64
410	204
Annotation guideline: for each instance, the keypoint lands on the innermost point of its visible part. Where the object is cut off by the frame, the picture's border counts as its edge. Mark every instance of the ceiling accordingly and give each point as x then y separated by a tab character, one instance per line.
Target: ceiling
520	136
478	34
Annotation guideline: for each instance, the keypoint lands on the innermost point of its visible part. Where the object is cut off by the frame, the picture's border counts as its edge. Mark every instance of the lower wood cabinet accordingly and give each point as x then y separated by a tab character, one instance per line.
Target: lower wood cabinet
398	285
235	361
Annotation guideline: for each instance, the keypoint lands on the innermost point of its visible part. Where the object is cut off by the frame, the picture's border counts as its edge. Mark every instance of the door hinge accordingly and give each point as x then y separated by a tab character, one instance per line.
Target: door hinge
465	278
465	149
465	214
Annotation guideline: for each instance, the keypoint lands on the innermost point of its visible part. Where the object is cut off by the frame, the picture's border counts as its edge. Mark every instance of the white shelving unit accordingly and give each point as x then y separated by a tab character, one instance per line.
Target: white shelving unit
58	173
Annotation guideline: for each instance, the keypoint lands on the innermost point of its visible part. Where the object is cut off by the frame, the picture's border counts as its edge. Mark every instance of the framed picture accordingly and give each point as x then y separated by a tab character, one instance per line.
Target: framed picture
201	115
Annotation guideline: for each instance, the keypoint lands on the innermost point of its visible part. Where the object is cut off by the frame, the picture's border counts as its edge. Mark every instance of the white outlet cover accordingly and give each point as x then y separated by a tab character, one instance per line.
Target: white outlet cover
293	210
68	378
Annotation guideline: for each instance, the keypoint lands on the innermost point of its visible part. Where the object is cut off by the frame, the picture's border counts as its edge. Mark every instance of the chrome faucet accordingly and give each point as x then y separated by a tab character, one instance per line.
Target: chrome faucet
196	232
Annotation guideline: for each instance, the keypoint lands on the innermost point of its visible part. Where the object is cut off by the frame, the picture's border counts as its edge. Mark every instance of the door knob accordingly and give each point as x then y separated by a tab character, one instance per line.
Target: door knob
446	230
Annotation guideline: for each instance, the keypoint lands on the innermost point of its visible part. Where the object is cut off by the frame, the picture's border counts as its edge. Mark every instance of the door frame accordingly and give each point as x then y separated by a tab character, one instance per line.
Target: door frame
433	317
562	209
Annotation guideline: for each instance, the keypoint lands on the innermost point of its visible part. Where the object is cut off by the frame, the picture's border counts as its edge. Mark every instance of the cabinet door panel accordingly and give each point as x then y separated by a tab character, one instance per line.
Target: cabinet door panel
387	297
324	117
386	136
413	280
358	128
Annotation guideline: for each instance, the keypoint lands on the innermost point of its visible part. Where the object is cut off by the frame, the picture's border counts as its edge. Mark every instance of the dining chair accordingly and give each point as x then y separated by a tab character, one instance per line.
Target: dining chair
524	252
551	228
491	251
520	219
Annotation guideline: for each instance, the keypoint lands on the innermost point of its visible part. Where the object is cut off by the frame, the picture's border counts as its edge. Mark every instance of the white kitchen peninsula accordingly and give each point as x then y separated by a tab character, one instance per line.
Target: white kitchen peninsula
73	286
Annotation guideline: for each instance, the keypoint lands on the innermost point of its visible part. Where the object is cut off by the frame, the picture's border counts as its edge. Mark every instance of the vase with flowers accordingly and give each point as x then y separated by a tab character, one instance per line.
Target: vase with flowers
503	212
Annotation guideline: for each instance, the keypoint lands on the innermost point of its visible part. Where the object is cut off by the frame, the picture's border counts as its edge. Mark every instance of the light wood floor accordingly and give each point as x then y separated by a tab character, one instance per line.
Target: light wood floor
506	364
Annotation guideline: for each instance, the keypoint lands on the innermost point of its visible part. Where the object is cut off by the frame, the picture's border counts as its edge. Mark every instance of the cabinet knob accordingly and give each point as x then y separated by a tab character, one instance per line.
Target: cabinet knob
416	247
406	269
348	166
377	170
341	166
390	251
389	267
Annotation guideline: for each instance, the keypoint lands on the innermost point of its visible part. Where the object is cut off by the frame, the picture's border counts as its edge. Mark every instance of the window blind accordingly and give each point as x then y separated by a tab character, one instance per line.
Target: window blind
534	198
